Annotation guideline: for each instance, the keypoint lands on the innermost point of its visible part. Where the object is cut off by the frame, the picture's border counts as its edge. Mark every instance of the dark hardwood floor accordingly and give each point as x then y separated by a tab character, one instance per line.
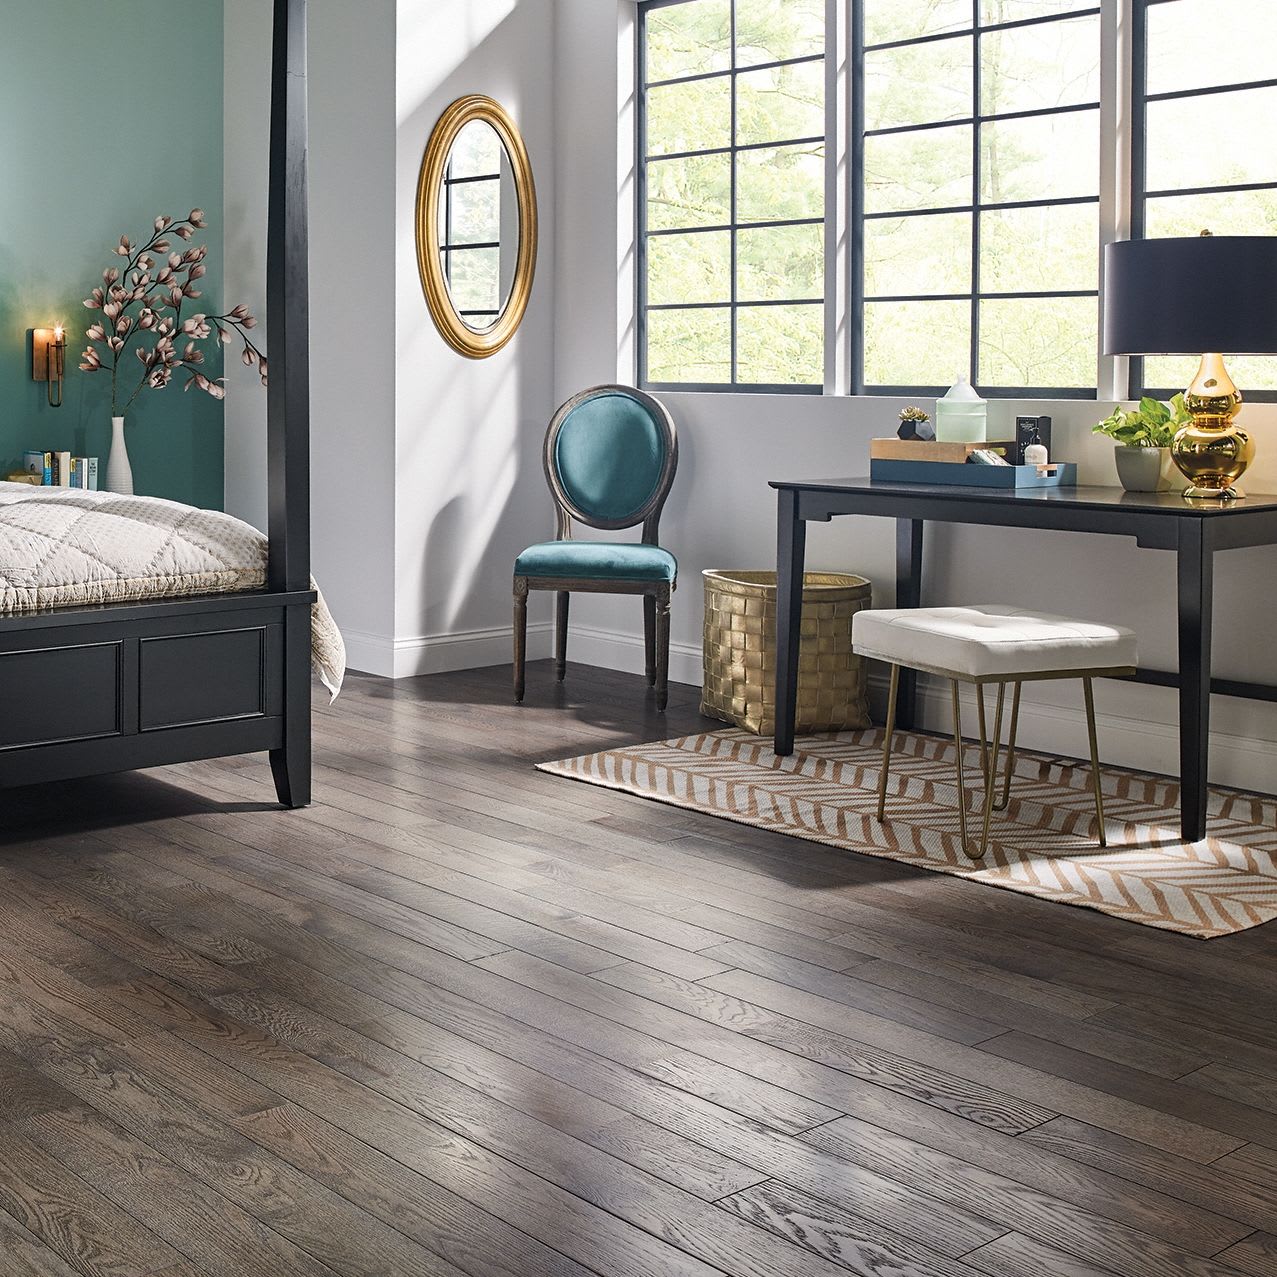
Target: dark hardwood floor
463	1018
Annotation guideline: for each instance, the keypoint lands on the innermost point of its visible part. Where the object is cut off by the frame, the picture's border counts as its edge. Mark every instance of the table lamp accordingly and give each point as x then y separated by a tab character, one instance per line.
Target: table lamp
1210	293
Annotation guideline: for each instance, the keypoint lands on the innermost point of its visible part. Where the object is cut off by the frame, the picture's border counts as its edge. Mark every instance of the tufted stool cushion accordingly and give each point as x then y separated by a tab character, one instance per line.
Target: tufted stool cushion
990	642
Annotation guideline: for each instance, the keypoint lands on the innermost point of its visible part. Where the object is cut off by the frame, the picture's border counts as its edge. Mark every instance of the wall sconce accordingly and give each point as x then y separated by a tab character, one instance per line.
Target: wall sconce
48	360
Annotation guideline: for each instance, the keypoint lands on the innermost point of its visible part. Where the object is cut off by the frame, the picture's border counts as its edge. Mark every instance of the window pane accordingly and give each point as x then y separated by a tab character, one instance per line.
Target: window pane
910	255
1220	139
689	346
779	104
992	11
1174	372
1039	342
927	169
904	19
773	30
689	268
477	151
1044	157
1035	250
474	213
688	39
693	191
474	279
781	263
919	83
689	117
1242	31
1046	65
916	343
1223	213
780	345
780	183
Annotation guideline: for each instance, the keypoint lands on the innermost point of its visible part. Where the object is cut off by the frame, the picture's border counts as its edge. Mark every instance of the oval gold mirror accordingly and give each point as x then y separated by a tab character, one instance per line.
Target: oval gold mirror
476	226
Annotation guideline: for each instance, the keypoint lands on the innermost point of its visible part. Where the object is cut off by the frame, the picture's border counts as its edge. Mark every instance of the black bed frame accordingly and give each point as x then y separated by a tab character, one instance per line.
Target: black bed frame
86	691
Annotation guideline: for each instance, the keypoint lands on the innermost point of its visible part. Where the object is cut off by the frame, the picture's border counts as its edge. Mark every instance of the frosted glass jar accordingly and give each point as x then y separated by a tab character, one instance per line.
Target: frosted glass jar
961	415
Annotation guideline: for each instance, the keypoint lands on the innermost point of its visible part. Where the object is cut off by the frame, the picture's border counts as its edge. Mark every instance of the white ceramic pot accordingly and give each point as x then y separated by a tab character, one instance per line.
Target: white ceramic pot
1144	469
119	473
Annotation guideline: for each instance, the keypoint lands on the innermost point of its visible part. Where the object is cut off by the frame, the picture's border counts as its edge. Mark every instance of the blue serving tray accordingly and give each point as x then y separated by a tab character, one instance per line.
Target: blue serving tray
1062	474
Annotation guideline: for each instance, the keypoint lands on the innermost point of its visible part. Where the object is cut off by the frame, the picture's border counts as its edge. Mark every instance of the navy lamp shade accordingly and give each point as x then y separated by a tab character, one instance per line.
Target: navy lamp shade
1189	296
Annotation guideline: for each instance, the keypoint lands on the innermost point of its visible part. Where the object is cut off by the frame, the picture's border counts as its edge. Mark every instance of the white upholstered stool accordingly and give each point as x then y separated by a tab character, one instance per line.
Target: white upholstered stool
991	644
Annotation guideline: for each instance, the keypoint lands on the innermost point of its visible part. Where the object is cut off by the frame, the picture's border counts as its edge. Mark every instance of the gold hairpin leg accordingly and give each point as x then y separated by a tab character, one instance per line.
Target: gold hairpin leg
989	766
1095	759
1001	805
886	740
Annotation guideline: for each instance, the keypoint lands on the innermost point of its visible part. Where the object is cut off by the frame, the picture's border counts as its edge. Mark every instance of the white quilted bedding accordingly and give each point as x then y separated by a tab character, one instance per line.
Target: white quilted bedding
68	547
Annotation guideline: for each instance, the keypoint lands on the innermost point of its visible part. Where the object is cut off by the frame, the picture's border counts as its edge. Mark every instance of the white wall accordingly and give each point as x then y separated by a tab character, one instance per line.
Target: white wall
722	514
352	287
470	490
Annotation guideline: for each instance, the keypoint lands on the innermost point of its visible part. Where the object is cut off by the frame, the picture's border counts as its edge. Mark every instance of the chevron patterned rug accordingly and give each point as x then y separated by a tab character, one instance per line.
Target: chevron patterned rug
1042	845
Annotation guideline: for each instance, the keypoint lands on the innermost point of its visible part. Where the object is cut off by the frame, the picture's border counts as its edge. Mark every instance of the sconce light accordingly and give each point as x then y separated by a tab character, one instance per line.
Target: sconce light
48	360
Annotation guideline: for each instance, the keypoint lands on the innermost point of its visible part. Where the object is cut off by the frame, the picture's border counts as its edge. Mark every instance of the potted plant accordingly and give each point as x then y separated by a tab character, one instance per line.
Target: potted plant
915	424
1143	437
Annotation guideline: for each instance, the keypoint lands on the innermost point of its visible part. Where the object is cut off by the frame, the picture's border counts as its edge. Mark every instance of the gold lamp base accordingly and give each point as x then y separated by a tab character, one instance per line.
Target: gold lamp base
1212	451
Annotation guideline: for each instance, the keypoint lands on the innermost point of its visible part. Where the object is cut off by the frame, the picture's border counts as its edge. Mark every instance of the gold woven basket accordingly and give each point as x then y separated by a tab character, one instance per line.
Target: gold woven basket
740	652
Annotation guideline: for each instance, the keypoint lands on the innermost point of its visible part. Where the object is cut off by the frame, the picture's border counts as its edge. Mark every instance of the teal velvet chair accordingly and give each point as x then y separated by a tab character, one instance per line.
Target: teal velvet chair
610	457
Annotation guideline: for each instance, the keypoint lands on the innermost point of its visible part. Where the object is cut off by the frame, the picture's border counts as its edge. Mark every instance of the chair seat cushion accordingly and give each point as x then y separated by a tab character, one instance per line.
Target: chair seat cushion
990	642
597	561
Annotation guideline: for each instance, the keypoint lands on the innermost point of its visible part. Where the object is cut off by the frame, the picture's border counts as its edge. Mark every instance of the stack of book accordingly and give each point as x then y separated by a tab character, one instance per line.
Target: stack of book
931	461
57	470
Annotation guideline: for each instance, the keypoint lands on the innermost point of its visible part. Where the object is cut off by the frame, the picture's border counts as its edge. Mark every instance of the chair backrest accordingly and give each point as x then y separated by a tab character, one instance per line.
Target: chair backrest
610	457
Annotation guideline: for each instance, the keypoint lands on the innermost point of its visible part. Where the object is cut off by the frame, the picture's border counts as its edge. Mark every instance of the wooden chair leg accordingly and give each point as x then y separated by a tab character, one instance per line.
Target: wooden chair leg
662	649
886	739
520	634
649	637
561	635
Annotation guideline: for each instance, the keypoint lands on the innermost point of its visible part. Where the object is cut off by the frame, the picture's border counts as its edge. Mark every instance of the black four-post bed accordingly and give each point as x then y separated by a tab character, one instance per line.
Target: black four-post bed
89	690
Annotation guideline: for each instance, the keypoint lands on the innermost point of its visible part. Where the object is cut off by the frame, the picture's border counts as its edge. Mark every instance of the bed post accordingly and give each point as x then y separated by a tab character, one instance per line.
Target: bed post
288	395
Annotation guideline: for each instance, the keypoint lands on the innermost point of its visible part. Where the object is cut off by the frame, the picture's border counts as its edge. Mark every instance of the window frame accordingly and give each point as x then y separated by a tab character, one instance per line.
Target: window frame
447	248
973	210
1140	194
733	225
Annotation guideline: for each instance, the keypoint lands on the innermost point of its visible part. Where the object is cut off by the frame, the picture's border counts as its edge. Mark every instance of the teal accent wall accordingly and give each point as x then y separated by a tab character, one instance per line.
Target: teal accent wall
112	114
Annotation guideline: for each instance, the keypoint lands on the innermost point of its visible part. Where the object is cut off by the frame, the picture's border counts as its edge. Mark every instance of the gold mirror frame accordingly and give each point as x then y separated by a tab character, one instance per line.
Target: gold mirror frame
465	340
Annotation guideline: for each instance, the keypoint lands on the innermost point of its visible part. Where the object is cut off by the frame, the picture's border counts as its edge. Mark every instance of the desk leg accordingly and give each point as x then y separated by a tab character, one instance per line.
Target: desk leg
791	544
1195	563
908	594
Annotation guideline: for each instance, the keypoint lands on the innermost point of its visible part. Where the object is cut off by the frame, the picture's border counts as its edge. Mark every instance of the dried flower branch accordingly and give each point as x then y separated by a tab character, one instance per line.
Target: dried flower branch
142	303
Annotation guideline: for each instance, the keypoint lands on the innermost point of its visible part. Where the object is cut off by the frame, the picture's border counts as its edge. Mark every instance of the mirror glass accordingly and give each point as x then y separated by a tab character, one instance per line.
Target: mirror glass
478	226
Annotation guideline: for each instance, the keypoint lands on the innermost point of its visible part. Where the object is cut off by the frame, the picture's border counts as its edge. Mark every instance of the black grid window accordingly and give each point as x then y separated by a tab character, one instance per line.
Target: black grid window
732	138
1204	119
470	242
976	160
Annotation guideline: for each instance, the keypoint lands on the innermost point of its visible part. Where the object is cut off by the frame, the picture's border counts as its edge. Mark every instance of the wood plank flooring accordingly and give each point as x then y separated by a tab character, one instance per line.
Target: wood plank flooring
460	1017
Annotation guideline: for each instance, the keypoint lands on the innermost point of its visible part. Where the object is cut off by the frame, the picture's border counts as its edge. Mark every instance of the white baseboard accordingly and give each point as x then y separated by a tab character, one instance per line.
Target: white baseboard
440	653
612	650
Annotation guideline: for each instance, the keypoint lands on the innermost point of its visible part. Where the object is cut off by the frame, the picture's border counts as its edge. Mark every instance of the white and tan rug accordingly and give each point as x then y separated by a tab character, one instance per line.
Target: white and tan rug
1043	845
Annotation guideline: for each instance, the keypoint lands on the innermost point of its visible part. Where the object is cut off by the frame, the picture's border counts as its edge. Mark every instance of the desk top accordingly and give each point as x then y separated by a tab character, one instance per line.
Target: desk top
1169	504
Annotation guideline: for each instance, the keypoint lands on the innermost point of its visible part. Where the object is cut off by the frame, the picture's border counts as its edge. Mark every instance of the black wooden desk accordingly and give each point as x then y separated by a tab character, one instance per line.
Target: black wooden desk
1193	530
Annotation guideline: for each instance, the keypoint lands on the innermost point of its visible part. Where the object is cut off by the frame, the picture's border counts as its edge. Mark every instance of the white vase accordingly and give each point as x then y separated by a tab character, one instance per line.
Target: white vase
119	474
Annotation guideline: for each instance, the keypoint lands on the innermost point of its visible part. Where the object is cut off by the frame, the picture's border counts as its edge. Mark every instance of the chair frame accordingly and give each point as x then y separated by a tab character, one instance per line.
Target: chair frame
989	754
656	594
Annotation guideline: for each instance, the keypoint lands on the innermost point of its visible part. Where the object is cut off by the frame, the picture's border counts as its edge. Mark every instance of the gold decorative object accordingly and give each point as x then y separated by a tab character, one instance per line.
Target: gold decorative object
474	341
1212	451
740	652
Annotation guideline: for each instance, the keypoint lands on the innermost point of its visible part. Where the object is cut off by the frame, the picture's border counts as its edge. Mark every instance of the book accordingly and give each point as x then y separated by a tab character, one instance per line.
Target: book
932	450
62	469
46	474
84	473
33	462
91	473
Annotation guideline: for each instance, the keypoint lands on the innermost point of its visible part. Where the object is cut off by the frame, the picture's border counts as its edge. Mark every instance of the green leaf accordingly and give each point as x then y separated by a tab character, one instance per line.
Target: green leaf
1153	412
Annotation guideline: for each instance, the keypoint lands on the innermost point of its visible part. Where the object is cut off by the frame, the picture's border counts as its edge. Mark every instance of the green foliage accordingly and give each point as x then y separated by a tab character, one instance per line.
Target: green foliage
1151	425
